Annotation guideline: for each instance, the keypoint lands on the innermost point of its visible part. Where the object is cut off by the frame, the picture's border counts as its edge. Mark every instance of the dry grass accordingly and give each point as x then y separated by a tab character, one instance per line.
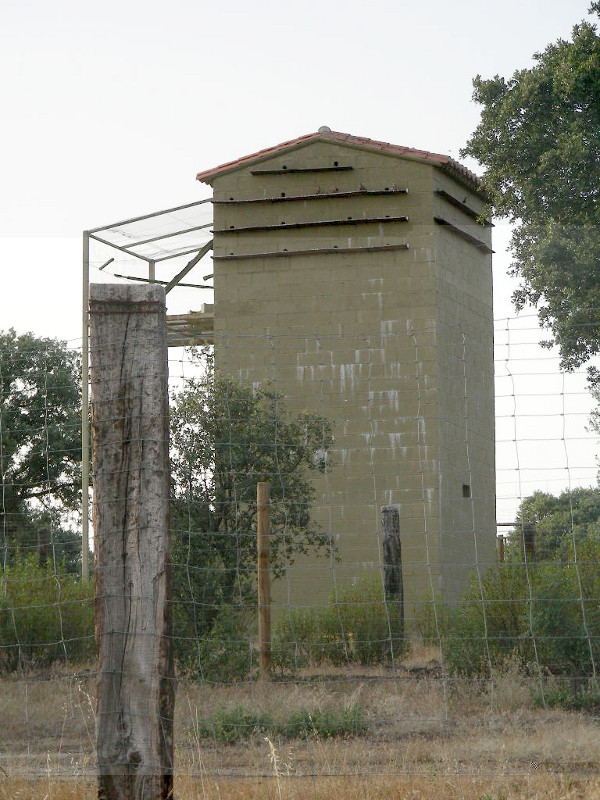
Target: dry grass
363	787
427	737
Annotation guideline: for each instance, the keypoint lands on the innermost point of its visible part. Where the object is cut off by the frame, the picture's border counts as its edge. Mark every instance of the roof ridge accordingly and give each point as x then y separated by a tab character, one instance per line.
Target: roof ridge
438	159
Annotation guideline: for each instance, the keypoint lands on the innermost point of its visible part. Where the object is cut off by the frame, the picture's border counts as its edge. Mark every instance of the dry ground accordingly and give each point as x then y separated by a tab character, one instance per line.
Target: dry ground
427	737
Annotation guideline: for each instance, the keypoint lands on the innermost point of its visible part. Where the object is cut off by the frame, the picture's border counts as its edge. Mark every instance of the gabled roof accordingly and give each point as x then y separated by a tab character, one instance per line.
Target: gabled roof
445	163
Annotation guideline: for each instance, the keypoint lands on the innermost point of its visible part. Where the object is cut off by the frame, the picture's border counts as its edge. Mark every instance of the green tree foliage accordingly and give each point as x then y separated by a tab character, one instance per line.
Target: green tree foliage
226	436
545	615
46	615
40	443
539	141
543	612
358	626
571	517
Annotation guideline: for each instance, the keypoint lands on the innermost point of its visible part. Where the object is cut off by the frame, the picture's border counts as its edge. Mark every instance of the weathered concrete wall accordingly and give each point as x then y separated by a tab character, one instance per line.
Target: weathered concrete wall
392	344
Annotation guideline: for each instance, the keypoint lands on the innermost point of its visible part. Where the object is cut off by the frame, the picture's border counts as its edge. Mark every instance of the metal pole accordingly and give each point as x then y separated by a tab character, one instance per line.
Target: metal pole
151	271
85	412
199	255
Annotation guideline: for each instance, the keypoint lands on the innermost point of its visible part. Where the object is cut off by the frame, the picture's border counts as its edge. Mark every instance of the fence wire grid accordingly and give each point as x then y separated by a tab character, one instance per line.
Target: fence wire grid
479	680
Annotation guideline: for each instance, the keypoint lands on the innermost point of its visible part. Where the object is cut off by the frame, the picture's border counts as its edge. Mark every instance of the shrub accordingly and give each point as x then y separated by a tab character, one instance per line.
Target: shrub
430	619
226	653
46	615
233	724
547	616
490	624
230	725
573	694
324	723
357	626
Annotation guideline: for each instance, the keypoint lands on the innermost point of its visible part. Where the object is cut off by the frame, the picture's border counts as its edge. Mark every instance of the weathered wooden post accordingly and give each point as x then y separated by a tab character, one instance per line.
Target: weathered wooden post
131	515
392	560
264	579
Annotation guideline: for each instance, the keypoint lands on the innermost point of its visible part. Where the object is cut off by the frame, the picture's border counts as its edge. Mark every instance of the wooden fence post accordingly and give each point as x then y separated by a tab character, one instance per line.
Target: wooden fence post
264	579
392	560
501	542
131	532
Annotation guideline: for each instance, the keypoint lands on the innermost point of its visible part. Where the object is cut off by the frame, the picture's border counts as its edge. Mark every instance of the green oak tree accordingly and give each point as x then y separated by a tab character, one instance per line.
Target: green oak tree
539	141
561	522
227	435
40	445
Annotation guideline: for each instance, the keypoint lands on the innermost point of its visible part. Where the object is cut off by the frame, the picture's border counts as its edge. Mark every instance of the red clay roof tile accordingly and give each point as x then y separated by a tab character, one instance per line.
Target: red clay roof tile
446	163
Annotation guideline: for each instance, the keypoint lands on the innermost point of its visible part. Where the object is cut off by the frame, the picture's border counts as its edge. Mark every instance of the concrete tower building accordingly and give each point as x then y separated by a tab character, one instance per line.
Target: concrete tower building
356	276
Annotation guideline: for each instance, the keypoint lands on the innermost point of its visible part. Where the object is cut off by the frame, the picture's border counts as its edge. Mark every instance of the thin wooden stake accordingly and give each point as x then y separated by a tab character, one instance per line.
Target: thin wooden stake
264	579
131	527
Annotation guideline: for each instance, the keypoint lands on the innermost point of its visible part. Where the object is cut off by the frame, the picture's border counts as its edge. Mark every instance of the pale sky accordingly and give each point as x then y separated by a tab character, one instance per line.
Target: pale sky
110	109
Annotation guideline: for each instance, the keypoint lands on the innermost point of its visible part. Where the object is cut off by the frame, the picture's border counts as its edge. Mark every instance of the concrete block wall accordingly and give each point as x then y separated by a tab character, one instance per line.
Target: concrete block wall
394	345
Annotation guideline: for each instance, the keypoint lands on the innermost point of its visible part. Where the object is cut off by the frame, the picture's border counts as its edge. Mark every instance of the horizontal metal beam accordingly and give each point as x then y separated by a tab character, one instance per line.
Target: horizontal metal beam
141	257
162	283
317	224
178	255
463	235
118	247
318	251
169	235
149	216
299	170
315	196
470	212
188	267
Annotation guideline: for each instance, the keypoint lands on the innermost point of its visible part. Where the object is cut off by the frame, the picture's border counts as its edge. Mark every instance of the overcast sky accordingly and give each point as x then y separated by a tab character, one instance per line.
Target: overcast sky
110	109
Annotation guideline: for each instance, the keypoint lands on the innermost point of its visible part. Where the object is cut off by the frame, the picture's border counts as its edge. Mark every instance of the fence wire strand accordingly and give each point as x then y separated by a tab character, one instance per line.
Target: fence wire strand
489	675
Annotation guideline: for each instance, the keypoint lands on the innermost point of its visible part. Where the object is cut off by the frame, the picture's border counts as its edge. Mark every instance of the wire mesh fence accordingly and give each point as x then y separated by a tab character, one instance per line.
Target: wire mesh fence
480	679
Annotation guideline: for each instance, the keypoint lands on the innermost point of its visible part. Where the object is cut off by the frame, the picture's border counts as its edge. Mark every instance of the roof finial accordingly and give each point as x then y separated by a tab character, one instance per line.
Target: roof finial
324	129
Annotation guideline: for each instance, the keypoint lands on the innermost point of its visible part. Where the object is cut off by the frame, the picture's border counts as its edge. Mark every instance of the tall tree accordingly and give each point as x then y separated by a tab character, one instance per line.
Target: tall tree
539	141
572	516
226	436
40	443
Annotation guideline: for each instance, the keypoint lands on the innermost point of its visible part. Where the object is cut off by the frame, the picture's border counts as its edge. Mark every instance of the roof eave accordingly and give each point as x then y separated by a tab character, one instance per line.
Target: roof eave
256	158
445	163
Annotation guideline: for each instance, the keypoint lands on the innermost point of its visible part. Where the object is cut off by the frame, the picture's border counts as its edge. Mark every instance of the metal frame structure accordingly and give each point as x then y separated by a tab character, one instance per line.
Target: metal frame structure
162	245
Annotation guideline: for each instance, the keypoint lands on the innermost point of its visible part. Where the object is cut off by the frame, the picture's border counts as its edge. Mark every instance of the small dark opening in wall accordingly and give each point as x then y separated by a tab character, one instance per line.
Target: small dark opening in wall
466	490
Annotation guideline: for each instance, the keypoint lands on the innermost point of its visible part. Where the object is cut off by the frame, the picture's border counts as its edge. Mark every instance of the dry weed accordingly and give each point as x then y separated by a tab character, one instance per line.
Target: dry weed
325	787
428	737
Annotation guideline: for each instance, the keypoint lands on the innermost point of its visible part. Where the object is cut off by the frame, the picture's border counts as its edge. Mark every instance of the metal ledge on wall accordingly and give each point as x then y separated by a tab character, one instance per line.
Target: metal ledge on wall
317	251
470	212
463	235
316	195
316	224
300	170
